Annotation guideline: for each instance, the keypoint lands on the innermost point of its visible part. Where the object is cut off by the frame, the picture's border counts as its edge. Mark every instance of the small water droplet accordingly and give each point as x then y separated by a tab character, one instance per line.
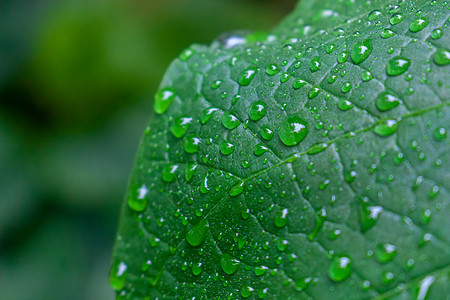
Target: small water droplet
343	57
260	149
181	125
229	264
437	33
374	15
298	83
387	33
190	171
272	69
385	252
260	270
117	275
396	18
315	64
442	57
369	215
207	114
366	76
280	219
386	128
169	173
314	92
230	121
191	144
247	291
237	190
226	148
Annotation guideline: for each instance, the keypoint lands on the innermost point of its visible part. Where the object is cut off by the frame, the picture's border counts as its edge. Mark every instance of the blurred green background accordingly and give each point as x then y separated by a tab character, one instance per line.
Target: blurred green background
77	79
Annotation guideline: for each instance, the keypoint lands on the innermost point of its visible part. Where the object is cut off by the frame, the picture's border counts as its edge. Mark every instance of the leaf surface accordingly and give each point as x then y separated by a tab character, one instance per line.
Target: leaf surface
307	163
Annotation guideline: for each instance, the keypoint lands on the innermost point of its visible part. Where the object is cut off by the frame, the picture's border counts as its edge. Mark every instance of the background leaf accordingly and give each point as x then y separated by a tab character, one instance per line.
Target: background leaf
311	162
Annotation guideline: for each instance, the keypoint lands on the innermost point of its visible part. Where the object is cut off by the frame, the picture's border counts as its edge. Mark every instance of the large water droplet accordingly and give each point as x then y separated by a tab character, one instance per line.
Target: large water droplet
386	128
138	201
163	99
247	291
230	121
266	132
272	69
191	144
246	76
169	173
396	18
298	83
315	64
398	65
226	148
257	110
280	219
197	235
418	24
361	51
293	130
385	252
229	264
181	125
386	101
340	268
207	114
117	275
442	57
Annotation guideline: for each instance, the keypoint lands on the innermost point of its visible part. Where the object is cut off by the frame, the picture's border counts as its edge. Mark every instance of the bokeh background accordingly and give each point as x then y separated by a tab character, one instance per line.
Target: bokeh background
77	79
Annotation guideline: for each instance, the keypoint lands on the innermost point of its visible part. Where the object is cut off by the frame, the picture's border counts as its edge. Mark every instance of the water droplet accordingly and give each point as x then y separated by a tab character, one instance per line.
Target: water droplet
282	245
169	173
396	18
272	69
246	76
424	286
369	215
386	101
386	128
197	269
204	188
317	148
366	76
418	24
197	235
398	65
138	200
331	48
247	291
237	190
262	293
385	252
260	149
315	64
342	57
340	268
440	133
284	77
180	126
191	144
376	14
321	215
266	132
257	110
260	270
346	87
387	33
163	99
387	277
186	54
437	33
226	148
230	121
229	264
293	130
303	283
190	171
442	57
361	51
332	79
298	83
344	104
117	275
207	114
314	92
280	219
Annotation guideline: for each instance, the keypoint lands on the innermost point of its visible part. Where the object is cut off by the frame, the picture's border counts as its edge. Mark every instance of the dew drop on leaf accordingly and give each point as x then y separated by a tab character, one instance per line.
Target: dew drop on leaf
272	69
246	76
117	275
191	144
293	130
163	99
396	18
180	126
298	83
398	65
280	219
340	268
315	64
386	101
247	291
229	264
361	51
257	110
226	148
442	57
266	132
197	235
437	33
138	200
386	128
385	252
418	24
260	149
169	173
230	121
387	33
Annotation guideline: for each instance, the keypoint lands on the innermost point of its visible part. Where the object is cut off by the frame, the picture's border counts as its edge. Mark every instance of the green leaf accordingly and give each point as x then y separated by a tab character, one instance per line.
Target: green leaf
314	176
